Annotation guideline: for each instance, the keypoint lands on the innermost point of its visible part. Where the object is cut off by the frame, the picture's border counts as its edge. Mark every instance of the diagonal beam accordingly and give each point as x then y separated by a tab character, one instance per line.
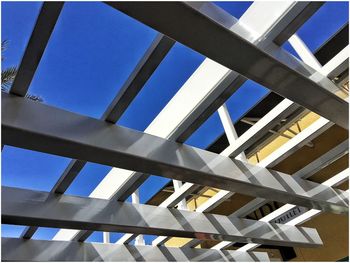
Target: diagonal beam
261	29
150	61
30	125
298	21
209	86
43	28
333	181
193	30
152	58
307	171
28	207
15	249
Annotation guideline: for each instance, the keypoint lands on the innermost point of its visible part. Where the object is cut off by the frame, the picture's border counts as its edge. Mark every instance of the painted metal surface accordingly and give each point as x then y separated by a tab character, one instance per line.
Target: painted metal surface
15	249
30	125
22	206
261	65
149	62
204	92
39	38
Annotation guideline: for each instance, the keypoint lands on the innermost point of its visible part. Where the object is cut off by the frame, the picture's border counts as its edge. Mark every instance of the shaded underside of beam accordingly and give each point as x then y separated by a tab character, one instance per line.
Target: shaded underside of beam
31	125
333	45
28	207
43	28
150	61
323	54
298	15
298	21
14	249
213	40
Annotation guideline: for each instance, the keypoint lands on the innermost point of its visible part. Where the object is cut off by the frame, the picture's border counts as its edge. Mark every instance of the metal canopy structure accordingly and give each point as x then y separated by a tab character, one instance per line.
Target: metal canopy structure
39	250
236	50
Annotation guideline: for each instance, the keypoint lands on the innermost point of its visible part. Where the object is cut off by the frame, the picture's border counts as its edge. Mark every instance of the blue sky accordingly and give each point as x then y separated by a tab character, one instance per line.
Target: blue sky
91	52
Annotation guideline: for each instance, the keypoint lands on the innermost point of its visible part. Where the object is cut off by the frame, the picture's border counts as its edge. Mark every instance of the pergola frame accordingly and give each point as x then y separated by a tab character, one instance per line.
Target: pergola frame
264	62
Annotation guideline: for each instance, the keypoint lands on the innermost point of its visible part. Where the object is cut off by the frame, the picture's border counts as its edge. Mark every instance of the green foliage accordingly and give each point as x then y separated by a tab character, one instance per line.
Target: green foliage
8	75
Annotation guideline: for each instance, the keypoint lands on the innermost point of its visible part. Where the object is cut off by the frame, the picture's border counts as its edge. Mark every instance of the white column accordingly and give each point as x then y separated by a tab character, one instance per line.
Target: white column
304	52
106	237
135	199
229	129
183	204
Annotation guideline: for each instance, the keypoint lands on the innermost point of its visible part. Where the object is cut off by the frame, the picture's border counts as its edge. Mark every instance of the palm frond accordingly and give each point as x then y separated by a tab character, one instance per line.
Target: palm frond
4	45
7	76
34	97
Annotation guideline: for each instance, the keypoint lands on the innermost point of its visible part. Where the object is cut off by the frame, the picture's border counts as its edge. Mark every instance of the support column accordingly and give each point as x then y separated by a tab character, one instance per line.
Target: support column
229	129
135	199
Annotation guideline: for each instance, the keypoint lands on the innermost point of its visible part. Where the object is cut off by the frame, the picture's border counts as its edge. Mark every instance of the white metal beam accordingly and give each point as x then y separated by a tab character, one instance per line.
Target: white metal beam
16	249
205	81
266	64
333	181
260	128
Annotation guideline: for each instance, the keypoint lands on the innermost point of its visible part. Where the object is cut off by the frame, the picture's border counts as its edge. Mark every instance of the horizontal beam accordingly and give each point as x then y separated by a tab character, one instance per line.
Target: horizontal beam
284	109
193	30
149	62
333	181
15	249
28	207
298	21
250	136
30	125
204	92
39	38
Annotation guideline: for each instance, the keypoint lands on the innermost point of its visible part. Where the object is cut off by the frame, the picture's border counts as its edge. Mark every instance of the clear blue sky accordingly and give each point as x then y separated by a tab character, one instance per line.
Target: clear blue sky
92	51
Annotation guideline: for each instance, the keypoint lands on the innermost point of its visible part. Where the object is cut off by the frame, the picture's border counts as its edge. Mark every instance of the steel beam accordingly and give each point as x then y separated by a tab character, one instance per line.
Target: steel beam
283	109
152	58
30	125
298	21
193	30
150	61
14	249
257	131
206	93
202	94
28	207
307	171
258	29
39	38
333	181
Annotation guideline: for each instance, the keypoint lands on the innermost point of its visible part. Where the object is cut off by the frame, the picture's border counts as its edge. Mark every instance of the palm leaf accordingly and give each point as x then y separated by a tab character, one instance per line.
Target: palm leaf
9	74
4	45
7	77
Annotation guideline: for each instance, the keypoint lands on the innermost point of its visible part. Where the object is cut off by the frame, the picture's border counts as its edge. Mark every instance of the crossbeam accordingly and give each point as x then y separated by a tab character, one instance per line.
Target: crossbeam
15	249
37	43
31	125
149	62
29	207
201	33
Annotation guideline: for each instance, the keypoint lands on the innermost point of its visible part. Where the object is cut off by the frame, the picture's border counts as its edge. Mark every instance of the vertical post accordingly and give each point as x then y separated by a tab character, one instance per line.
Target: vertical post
183	204
106	237
304	52
229	129
135	199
